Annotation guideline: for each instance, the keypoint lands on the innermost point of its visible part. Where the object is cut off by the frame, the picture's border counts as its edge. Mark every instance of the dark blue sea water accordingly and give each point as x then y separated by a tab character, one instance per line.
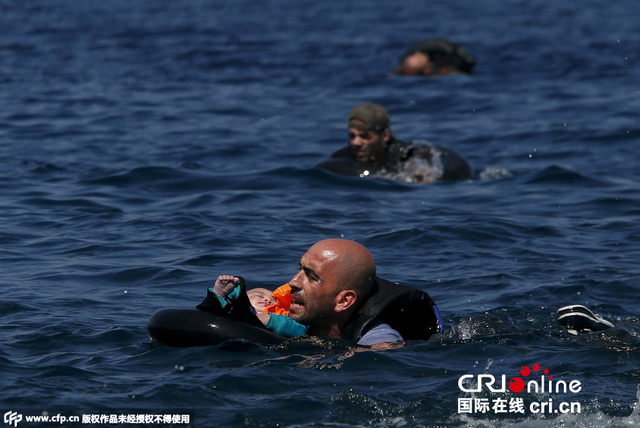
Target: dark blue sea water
148	146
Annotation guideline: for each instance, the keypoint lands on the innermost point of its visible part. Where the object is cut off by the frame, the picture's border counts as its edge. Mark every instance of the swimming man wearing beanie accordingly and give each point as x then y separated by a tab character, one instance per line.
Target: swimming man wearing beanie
373	150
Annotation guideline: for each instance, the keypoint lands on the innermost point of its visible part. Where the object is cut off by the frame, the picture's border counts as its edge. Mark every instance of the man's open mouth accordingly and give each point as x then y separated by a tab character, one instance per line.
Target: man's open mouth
296	301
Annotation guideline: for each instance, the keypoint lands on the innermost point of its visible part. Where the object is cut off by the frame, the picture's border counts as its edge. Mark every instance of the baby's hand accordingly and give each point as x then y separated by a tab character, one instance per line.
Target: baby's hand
225	285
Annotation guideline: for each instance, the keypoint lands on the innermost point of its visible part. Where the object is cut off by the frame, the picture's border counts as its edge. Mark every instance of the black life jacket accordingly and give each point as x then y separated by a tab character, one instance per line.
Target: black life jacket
410	311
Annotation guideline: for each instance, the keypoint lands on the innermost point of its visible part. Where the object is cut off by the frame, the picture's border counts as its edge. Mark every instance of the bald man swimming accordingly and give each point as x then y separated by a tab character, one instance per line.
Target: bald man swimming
336	277
337	294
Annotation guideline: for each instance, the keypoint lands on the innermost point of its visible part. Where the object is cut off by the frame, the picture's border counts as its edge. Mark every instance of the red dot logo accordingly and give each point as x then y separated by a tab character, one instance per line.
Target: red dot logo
536	367
525	371
516	384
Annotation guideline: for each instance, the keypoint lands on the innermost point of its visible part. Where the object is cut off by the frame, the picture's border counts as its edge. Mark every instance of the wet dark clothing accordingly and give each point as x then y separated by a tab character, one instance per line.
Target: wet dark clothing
451	165
442	52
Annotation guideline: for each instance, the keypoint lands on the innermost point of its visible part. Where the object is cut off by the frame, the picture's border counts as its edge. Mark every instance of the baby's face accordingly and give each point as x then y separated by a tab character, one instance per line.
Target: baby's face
260	298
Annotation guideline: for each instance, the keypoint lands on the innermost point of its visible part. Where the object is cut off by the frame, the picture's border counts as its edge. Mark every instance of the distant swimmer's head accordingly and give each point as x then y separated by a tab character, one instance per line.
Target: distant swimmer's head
369	132
415	64
435	57
260	298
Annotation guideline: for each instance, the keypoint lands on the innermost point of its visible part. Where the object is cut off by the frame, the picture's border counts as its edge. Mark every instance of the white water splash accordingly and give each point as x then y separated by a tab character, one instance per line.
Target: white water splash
494	173
417	169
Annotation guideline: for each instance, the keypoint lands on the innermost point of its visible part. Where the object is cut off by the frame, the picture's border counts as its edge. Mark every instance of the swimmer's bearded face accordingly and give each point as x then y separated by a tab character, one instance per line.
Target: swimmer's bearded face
367	146
313	290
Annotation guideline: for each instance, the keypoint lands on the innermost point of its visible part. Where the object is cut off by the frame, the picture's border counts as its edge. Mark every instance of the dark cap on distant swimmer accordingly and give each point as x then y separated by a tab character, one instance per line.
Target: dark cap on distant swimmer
374	117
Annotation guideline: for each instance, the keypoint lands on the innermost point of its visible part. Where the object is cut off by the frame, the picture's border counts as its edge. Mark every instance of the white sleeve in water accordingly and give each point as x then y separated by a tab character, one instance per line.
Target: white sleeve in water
378	334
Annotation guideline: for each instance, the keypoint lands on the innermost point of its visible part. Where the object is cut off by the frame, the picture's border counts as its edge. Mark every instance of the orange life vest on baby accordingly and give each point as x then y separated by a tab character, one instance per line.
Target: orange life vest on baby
283	297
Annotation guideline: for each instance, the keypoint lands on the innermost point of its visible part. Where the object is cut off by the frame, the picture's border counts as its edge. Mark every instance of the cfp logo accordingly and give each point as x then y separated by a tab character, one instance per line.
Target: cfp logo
12	418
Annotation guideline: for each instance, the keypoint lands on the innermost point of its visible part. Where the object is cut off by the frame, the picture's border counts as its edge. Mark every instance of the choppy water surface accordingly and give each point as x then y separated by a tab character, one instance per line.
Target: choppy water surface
147	147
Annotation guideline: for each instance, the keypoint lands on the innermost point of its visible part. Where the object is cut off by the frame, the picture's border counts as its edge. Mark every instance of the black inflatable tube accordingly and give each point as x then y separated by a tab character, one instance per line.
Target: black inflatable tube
192	327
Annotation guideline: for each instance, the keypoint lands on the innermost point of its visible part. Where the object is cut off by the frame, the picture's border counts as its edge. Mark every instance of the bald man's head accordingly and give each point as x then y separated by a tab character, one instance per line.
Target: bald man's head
356	266
335	278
